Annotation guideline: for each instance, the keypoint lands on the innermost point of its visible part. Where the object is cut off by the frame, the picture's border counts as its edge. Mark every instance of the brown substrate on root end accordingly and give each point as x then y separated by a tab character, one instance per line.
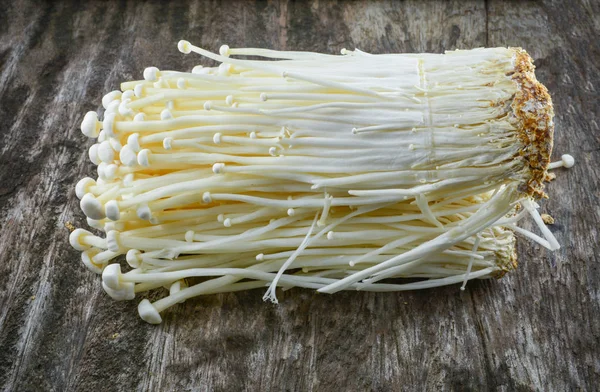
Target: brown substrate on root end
532	115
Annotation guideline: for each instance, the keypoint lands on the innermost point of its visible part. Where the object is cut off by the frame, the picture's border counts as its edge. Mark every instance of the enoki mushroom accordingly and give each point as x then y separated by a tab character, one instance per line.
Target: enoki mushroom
327	172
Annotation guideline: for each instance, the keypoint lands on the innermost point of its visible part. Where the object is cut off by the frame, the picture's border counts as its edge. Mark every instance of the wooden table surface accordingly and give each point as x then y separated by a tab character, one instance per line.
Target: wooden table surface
536	329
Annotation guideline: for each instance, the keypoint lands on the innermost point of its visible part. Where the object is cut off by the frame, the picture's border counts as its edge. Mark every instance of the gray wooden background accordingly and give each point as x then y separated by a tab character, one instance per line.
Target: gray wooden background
536	329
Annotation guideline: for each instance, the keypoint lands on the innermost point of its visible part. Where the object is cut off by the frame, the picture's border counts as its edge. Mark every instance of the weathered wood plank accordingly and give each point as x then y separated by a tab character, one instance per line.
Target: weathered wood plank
558	294
536	329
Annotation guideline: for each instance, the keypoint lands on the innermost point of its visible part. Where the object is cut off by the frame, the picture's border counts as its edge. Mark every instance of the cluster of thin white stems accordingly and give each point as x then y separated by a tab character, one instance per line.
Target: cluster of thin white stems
315	171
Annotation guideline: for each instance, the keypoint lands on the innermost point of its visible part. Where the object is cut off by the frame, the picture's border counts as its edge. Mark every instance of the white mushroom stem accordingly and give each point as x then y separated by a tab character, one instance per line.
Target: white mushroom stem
566	161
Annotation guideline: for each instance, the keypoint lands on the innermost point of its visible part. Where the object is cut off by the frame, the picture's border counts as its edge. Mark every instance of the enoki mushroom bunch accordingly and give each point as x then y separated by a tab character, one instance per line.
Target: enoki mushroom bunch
328	172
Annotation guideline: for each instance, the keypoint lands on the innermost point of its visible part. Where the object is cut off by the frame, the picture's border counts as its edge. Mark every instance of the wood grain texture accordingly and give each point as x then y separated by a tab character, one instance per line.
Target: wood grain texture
536	329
